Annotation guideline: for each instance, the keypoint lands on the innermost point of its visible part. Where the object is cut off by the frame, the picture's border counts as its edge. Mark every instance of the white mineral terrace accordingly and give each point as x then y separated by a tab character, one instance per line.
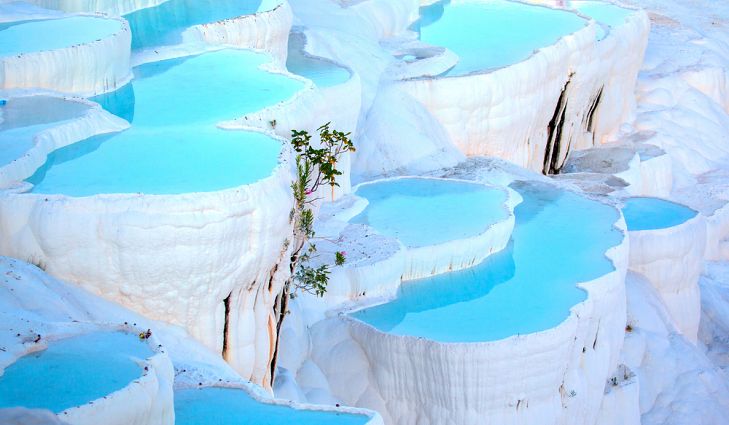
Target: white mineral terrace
90	56
533	228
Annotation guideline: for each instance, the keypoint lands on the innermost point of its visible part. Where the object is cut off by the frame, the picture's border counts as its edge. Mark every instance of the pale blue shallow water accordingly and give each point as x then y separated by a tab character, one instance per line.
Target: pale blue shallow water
421	212
29	116
225	406
163	25
51	34
653	213
605	13
495	33
73	371
323	73
560	239
15	142
174	145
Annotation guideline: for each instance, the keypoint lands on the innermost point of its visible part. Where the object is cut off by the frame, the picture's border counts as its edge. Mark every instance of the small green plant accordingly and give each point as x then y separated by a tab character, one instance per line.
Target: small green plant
339	258
318	166
315	166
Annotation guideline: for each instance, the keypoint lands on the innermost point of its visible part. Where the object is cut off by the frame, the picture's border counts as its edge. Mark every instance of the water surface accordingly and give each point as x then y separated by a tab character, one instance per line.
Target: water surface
73	371
559	240
227	406
174	145
52	34
495	33
653	213
421	212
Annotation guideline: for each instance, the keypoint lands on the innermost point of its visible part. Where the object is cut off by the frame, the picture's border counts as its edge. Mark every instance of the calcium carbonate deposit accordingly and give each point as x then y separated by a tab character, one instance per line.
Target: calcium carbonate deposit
350	212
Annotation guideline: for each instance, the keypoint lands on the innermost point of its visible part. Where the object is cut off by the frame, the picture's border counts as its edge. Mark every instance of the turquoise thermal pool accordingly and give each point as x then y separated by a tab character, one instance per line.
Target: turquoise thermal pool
174	145
25	117
559	240
415	210
493	34
74	371
164	24
322	72
228	406
653	213
51	34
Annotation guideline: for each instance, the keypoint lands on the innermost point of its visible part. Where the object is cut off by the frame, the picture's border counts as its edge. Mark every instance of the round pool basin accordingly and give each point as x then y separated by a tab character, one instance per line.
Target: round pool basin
74	371
422	212
559	240
17	38
230	406
493	34
174	145
653	213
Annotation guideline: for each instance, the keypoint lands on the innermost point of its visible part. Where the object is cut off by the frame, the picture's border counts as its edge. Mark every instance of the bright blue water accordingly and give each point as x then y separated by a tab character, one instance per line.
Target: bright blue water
174	145
51	34
163	25
559	239
496	33
421	212
73	371
653	213
323	73
225	406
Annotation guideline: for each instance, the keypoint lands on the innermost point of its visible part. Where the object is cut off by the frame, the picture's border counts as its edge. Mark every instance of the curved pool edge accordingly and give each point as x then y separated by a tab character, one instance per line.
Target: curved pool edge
456	254
145	400
92	122
97	121
379	278
672	260
87	69
259	395
586	346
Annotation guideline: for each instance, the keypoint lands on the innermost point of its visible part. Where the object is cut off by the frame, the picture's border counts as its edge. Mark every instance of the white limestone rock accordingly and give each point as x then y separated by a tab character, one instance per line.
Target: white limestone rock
672	260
